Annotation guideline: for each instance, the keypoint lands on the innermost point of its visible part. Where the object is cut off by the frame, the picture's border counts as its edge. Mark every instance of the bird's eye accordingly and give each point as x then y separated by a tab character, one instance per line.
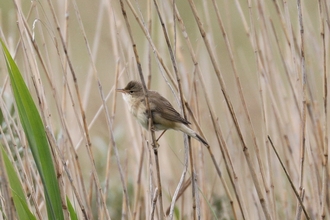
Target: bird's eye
130	92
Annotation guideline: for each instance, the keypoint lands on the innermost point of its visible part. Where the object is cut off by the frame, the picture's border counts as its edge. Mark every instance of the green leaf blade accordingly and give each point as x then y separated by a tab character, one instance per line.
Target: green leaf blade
17	191
37	139
73	214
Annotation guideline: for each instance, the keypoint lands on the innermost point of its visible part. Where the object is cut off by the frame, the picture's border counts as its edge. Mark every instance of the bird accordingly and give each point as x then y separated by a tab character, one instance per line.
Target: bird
164	116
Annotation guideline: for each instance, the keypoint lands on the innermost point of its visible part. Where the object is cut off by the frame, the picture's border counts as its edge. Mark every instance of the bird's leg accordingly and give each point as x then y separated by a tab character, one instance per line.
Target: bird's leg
161	135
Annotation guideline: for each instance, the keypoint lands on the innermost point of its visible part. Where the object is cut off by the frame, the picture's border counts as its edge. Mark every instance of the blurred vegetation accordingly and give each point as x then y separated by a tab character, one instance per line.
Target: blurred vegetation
103	157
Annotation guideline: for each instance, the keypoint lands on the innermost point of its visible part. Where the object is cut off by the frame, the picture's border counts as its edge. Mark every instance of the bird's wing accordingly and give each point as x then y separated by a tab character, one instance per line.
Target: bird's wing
169	113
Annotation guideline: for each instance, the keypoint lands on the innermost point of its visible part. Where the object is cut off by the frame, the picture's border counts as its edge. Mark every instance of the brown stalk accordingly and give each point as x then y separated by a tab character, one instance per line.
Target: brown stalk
154	201
100	196
282	19
151	126
64	164
29	188
5	186
304	104
176	194
46	71
213	118
239	85
63	122
292	42
324	188
183	188
113	112
138	185
113	143
182	106
262	54
153	47
167	71
233	115
269	81
92	51
149	22
200	154
74	155
151	189
109	121
259	59
299	198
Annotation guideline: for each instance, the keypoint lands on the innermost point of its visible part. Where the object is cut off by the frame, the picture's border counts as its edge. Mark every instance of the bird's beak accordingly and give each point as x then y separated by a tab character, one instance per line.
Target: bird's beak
121	90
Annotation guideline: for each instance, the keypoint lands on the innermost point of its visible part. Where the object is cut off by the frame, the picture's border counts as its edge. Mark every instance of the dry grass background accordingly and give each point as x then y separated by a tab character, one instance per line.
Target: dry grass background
253	74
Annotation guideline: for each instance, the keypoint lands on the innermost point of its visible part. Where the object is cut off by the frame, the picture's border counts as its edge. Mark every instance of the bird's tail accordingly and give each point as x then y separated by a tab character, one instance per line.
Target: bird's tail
201	139
185	129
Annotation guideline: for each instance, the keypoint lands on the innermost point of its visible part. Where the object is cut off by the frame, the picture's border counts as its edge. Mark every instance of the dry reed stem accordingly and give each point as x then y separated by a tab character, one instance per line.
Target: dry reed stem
41	95
325	141
286	68
194	59
27	184
292	42
5	193
108	117
138	185
180	193
262	67
212	117
304	104
64	164
272	33
92	71
113	143
239	86
44	66
233	115
155	145
200	153
63	44
181	105
299	198
159	59
100	196
283	22
154	201
299	210
30	188
5	188
177	191
193	184
152	189
149	27
113	111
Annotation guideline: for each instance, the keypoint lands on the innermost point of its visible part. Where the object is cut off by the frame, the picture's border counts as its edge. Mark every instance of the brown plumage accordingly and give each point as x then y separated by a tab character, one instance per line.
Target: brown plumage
163	114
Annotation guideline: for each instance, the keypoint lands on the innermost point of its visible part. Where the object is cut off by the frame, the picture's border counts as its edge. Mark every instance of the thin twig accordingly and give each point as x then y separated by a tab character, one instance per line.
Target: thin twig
180	193
304	104
154	201
198	70
138	184
232	112
34	43
151	126
289	179
241	93
182	107
100	196
324	188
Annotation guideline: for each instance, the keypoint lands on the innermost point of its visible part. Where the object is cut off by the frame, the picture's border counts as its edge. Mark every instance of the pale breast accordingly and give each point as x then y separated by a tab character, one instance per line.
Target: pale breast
137	108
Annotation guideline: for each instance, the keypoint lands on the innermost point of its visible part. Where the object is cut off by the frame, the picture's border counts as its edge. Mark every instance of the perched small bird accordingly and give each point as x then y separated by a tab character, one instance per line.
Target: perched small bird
163	114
